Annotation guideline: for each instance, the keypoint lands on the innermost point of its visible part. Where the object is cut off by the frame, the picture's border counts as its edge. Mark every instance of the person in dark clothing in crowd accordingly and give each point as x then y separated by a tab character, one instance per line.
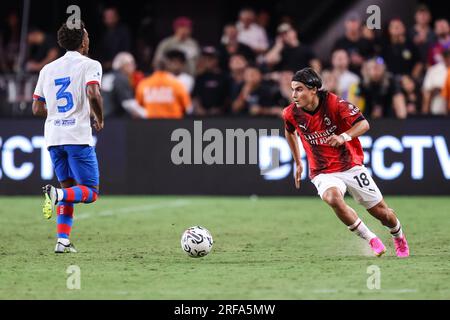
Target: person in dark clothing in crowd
42	49
401	55
380	92
237	66
289	54
116	37
230	45
358	47
176	64
211	86
421	33
9	42
258	97
412	98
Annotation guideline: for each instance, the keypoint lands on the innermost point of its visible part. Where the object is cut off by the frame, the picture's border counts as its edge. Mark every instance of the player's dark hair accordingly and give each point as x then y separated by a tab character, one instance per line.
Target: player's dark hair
308	77
70	39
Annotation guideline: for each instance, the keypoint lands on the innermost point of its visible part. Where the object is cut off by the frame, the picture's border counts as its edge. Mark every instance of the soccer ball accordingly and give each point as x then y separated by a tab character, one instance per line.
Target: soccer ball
196	242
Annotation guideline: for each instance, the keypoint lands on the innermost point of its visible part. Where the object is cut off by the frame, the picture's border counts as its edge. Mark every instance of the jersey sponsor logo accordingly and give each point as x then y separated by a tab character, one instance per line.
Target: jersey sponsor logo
319	137
354	110
302	126
64	122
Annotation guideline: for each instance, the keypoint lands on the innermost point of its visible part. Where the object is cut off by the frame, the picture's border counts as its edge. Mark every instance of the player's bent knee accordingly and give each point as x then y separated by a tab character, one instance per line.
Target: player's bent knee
93	195
333	198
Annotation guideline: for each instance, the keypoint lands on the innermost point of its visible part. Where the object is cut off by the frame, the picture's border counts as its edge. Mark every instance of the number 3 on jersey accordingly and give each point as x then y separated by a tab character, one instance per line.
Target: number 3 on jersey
62	94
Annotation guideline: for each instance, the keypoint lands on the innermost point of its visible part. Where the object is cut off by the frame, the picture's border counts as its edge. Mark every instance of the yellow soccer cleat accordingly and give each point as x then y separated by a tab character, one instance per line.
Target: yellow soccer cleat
50	201
47	207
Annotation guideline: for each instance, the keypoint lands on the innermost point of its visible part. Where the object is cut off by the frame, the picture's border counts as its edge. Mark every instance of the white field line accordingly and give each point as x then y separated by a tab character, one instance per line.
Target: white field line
127	210
295	292
327	291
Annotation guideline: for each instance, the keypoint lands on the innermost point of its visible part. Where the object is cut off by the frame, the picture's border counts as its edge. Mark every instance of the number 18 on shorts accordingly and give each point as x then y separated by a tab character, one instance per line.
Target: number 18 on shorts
357	181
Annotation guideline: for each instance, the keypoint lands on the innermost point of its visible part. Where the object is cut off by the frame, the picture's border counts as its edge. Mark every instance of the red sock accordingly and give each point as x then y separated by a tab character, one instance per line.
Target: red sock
64	219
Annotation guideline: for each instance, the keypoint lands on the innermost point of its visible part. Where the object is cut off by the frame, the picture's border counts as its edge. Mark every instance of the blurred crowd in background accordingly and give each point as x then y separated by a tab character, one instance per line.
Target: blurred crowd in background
400	71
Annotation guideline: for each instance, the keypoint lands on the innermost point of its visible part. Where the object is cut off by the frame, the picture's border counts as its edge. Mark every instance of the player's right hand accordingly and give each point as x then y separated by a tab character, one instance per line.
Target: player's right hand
298	176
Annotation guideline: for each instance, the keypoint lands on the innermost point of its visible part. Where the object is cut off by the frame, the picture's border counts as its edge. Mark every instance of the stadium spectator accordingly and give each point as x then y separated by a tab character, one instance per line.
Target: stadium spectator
9	43
180	40
401	55
258	97
380	93
42	49
237	66
285	88
117	92
446	88
288	53
210	92
116	37
263	19
358	47
374	38
145	40
230	45
347	81
411	96
162	95
176	64
250	33
421	33
442	31
330	81
433	102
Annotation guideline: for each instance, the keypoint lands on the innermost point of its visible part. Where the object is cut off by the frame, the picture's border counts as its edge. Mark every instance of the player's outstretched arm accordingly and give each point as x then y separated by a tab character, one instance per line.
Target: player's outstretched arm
96	103
39	108
291	138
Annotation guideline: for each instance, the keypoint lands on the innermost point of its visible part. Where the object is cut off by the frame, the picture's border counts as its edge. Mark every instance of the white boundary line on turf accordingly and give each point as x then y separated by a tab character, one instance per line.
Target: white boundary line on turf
126	210
325	291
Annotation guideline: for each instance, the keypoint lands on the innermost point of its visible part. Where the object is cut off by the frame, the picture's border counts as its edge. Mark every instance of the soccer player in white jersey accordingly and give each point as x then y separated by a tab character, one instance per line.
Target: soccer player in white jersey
68	95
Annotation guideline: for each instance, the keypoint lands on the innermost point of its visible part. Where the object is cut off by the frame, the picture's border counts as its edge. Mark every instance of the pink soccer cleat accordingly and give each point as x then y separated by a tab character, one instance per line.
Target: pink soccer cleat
401	247
377	246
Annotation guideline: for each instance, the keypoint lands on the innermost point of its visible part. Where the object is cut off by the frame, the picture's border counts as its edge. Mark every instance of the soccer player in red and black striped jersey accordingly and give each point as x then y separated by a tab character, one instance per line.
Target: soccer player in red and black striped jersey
329	128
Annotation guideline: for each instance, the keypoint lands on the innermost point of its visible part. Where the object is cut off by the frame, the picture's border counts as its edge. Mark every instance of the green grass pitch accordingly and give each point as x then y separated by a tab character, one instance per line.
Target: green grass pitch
265	248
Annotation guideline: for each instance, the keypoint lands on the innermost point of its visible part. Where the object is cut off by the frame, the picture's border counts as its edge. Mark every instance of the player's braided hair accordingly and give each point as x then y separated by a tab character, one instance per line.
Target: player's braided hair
308	77
70	39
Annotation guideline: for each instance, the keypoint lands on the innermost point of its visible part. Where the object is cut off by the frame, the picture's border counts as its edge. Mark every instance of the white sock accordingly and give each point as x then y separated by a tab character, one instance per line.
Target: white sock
59	193
360	229
396	231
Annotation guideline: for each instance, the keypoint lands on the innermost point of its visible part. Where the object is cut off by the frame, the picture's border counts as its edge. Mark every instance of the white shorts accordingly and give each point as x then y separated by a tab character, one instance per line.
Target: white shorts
357	181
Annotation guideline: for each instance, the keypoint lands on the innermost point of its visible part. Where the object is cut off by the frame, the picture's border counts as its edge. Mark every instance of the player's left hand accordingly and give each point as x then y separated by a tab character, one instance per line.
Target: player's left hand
97	124
335	141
